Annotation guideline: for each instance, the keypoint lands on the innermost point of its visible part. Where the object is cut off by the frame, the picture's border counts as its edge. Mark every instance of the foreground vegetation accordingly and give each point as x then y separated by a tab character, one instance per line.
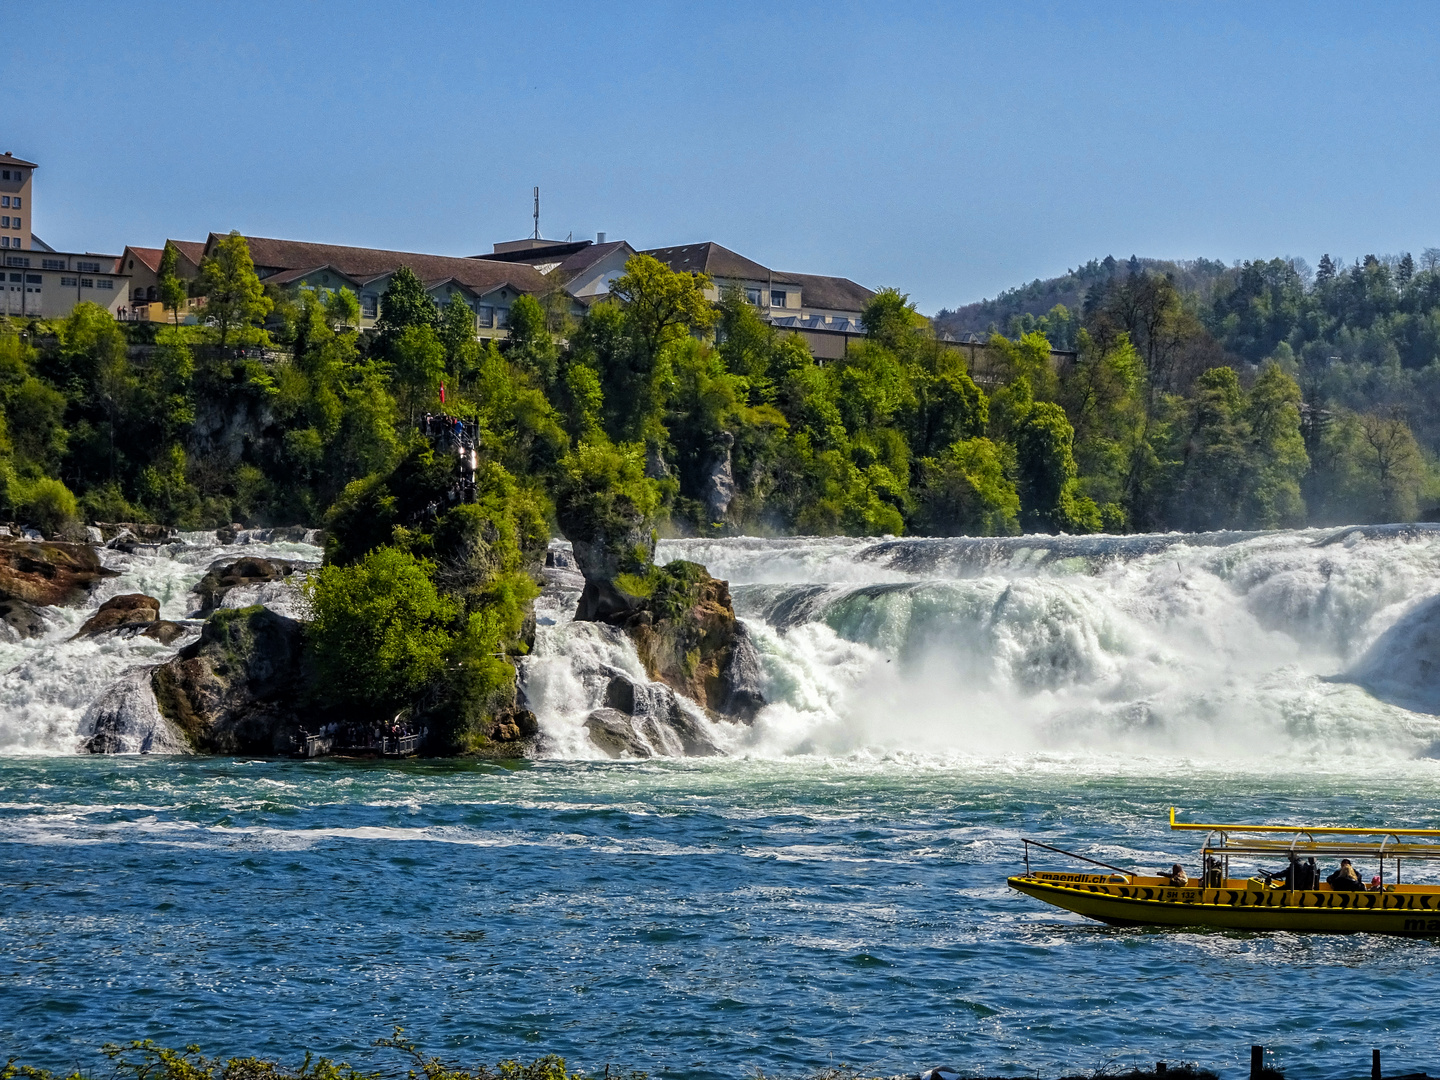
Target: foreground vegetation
144	1060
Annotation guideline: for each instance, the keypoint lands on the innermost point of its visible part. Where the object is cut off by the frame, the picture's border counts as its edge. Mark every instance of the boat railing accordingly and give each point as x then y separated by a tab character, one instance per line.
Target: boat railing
1029	843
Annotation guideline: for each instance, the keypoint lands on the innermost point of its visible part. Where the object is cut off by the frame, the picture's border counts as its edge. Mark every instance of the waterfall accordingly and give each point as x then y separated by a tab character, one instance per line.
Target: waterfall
51	687
1314	645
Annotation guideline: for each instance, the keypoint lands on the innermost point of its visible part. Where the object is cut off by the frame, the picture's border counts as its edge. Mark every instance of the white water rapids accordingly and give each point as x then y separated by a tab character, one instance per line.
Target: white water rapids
1317	645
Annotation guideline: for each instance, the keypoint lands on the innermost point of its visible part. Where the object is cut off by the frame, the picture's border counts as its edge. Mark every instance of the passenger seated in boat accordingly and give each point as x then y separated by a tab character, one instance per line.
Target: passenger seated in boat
1177	876
1214	873
1346	879
1375	885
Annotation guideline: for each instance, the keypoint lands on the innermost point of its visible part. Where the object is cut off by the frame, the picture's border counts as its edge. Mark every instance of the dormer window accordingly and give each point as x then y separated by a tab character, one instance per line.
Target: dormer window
777	298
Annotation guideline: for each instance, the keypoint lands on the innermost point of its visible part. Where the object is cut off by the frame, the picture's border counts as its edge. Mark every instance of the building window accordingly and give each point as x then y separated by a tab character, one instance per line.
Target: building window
4	174
4	241
777	298
88	267
4	200
17	223
87	283
14	277
369	305
139	294
33	279
752	296
52	264
16	202
502	317
69	282
16	260
485	316
105	283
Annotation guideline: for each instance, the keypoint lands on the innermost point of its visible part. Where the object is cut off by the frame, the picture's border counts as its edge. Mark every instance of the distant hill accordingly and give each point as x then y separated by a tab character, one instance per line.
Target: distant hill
1037	298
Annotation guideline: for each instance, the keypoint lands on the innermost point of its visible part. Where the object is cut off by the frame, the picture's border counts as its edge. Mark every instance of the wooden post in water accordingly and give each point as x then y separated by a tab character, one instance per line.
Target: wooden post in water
1375	1064
1257	1062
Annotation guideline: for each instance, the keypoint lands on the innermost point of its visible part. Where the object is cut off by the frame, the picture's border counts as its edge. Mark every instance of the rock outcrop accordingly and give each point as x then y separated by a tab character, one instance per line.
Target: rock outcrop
126	721
130	614
718	488
639	720
227	574
685	632
128	609
21	621
49	572
237	689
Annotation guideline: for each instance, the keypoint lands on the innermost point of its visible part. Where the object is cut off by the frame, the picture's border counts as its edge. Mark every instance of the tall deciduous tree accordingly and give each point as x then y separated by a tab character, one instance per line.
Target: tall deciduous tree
404	304
234	297
173	292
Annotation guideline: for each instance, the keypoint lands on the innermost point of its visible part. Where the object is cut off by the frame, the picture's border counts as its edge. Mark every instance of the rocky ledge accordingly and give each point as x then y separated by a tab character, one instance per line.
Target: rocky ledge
131	613
49	572
227	574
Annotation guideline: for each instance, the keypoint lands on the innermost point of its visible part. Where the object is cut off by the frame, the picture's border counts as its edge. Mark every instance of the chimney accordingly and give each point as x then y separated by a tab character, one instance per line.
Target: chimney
599	238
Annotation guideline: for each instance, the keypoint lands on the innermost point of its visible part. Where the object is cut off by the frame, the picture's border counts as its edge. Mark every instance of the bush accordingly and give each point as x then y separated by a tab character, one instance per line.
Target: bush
379	630
45	503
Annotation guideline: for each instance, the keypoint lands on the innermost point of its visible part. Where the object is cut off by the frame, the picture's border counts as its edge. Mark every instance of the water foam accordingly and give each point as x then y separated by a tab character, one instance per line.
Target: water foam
52	686
1313	644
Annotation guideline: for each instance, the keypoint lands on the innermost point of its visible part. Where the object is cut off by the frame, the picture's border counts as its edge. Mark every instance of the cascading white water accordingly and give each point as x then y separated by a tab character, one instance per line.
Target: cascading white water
49	684
1317	643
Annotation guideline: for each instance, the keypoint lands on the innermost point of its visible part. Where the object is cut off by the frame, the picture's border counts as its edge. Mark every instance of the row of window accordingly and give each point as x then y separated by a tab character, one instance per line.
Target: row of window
777	297
6	200
33	279
486	317
12	174
16	260
5	242
7	222
52	264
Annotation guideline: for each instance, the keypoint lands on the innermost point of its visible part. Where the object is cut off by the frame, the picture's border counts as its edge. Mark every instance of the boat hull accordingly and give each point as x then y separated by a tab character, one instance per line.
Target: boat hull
1410	912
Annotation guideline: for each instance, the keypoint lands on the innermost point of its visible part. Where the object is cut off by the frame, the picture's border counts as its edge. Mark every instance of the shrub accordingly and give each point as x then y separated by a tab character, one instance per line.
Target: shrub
379	630
45	503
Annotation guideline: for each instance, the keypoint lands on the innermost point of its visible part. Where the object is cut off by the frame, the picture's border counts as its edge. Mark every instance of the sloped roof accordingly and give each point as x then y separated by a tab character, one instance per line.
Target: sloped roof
8	158
149	256
709	258
587	257
830	293
194	250
362	264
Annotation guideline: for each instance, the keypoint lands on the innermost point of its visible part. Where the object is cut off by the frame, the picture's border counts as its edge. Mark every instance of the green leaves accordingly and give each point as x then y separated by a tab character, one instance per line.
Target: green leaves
234	298
379	629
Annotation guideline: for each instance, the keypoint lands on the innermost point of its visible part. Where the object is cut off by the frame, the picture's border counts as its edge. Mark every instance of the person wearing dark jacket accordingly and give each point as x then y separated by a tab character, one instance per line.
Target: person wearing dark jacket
1346	879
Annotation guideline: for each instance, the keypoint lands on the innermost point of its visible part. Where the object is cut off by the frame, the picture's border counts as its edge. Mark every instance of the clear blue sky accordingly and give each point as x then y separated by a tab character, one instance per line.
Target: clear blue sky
950	150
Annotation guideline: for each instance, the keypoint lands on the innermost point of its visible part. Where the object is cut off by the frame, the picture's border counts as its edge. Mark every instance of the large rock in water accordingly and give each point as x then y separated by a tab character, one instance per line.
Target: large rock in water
49	572
686	634
227	574
237	689
131	614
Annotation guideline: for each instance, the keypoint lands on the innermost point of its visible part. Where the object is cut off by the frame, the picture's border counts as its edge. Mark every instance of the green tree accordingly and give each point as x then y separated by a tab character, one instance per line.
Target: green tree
173	290
530	347
419	362
1044	449
378	629
965	492
457	335
234	297
405	304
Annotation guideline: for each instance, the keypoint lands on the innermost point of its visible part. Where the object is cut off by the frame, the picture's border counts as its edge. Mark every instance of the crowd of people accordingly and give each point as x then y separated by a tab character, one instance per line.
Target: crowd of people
1298	875
372	737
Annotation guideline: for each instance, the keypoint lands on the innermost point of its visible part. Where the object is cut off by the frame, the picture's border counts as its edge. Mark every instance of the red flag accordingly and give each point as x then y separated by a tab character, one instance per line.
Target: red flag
442	391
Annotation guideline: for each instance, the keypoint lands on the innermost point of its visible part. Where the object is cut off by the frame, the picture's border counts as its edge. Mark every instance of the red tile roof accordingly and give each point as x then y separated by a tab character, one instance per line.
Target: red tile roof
361	264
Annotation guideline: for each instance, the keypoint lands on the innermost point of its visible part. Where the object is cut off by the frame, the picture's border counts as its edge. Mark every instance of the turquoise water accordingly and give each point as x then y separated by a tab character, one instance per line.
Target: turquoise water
698	919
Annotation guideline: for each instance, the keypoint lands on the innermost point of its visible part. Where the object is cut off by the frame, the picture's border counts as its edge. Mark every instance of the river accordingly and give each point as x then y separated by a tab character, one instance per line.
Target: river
832	891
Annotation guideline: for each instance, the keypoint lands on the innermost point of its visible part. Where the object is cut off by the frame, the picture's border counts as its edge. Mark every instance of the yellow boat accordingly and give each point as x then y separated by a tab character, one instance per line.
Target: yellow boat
1265	901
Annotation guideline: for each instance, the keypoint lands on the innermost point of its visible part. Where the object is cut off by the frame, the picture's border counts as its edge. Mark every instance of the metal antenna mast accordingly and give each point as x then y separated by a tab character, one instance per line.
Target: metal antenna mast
537	213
